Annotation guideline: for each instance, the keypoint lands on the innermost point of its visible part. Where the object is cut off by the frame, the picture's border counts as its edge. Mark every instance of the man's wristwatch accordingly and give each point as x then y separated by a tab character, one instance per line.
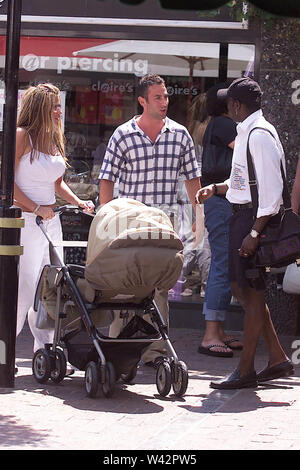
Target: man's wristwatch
254	233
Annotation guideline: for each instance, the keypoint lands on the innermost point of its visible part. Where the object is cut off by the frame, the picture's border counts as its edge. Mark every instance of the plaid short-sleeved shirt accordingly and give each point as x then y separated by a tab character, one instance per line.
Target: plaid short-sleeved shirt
148	171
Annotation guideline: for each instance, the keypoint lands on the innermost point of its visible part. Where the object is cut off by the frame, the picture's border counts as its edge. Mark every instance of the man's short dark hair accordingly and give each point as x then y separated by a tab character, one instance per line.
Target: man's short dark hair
146	82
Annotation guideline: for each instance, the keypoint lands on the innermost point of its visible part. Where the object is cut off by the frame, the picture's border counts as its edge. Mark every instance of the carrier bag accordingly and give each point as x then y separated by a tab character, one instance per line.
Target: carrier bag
45	301
291	279
279	242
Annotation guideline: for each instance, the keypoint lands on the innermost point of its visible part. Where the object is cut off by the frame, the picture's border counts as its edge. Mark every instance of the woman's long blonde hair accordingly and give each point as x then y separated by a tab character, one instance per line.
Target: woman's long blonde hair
199	119
35	116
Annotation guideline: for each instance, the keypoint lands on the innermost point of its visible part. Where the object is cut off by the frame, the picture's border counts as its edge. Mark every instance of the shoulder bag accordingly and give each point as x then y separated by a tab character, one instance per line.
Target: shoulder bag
291	279
279	242
216	164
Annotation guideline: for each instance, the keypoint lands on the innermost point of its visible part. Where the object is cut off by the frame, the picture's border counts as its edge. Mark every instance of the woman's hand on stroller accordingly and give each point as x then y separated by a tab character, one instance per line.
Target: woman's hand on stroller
87	206
45	212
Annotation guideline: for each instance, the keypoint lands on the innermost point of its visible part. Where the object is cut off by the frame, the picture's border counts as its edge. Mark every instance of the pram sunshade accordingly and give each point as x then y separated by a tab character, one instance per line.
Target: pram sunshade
132	249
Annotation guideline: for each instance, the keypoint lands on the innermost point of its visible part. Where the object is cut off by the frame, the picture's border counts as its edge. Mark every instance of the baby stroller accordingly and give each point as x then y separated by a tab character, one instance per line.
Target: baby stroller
132	249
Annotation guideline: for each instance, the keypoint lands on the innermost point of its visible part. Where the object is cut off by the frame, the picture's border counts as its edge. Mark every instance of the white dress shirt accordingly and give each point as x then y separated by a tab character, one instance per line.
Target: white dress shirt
267	153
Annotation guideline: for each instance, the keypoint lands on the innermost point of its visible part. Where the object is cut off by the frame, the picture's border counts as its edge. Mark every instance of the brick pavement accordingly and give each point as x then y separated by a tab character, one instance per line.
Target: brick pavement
35	416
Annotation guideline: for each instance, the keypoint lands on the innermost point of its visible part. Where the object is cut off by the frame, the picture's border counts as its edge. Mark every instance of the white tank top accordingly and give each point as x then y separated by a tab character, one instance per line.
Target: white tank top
37	179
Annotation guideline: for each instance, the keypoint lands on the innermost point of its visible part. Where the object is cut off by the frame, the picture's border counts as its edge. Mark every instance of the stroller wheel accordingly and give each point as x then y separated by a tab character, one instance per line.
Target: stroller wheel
41	365
59	372
91	379
127	378
180	378
108	386
163	378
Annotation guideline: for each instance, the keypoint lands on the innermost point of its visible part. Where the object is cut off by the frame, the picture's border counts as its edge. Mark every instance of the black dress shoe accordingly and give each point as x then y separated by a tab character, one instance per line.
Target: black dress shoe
284	369
235	381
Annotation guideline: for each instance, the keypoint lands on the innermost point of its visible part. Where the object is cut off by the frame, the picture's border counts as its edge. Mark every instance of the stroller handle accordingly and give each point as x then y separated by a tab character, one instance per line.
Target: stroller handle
61	209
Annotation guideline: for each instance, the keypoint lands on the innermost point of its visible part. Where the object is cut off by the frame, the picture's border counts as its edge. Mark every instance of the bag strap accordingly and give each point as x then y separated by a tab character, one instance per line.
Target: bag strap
252	177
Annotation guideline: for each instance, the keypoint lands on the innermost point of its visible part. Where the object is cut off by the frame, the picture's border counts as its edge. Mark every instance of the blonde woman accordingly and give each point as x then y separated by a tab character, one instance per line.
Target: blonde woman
39	168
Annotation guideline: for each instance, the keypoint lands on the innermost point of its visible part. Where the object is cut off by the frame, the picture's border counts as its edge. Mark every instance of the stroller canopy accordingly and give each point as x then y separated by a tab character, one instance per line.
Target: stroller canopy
132	249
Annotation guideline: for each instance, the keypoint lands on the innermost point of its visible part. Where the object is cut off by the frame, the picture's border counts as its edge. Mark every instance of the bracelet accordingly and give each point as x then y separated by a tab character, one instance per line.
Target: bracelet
36	209
215	189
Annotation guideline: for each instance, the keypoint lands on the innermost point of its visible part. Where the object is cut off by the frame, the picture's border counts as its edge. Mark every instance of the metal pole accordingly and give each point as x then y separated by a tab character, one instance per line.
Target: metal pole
223	62
10	216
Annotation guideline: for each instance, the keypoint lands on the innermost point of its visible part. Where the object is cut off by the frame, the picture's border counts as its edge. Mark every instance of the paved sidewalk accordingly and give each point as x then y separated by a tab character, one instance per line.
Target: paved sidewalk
35	416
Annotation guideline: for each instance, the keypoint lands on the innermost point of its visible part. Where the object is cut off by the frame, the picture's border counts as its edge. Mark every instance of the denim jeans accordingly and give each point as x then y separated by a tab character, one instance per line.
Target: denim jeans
217	298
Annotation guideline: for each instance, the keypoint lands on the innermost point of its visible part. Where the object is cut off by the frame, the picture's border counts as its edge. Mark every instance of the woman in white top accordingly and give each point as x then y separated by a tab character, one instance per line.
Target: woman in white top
39	168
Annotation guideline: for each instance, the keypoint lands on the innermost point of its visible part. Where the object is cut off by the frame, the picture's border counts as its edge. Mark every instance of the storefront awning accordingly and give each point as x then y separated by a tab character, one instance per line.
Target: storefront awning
185	58
52	46
194	49
207	50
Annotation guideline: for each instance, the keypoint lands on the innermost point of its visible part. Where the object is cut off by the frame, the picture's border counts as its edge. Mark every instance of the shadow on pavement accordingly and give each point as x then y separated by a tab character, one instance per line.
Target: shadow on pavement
12	433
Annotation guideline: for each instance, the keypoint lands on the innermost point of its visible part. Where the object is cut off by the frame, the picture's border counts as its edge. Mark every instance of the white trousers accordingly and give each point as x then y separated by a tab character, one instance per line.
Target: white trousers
35	256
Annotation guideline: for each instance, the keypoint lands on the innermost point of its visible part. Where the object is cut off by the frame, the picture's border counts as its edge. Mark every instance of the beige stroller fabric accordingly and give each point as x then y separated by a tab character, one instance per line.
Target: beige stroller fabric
46	298
46	303
132	249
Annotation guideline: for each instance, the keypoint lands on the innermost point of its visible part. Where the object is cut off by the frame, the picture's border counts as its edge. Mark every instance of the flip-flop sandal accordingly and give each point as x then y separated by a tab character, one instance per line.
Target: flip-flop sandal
233	340
208	350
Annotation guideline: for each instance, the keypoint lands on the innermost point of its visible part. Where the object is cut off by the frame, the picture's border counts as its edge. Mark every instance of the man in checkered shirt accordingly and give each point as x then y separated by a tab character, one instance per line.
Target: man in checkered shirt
146	155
